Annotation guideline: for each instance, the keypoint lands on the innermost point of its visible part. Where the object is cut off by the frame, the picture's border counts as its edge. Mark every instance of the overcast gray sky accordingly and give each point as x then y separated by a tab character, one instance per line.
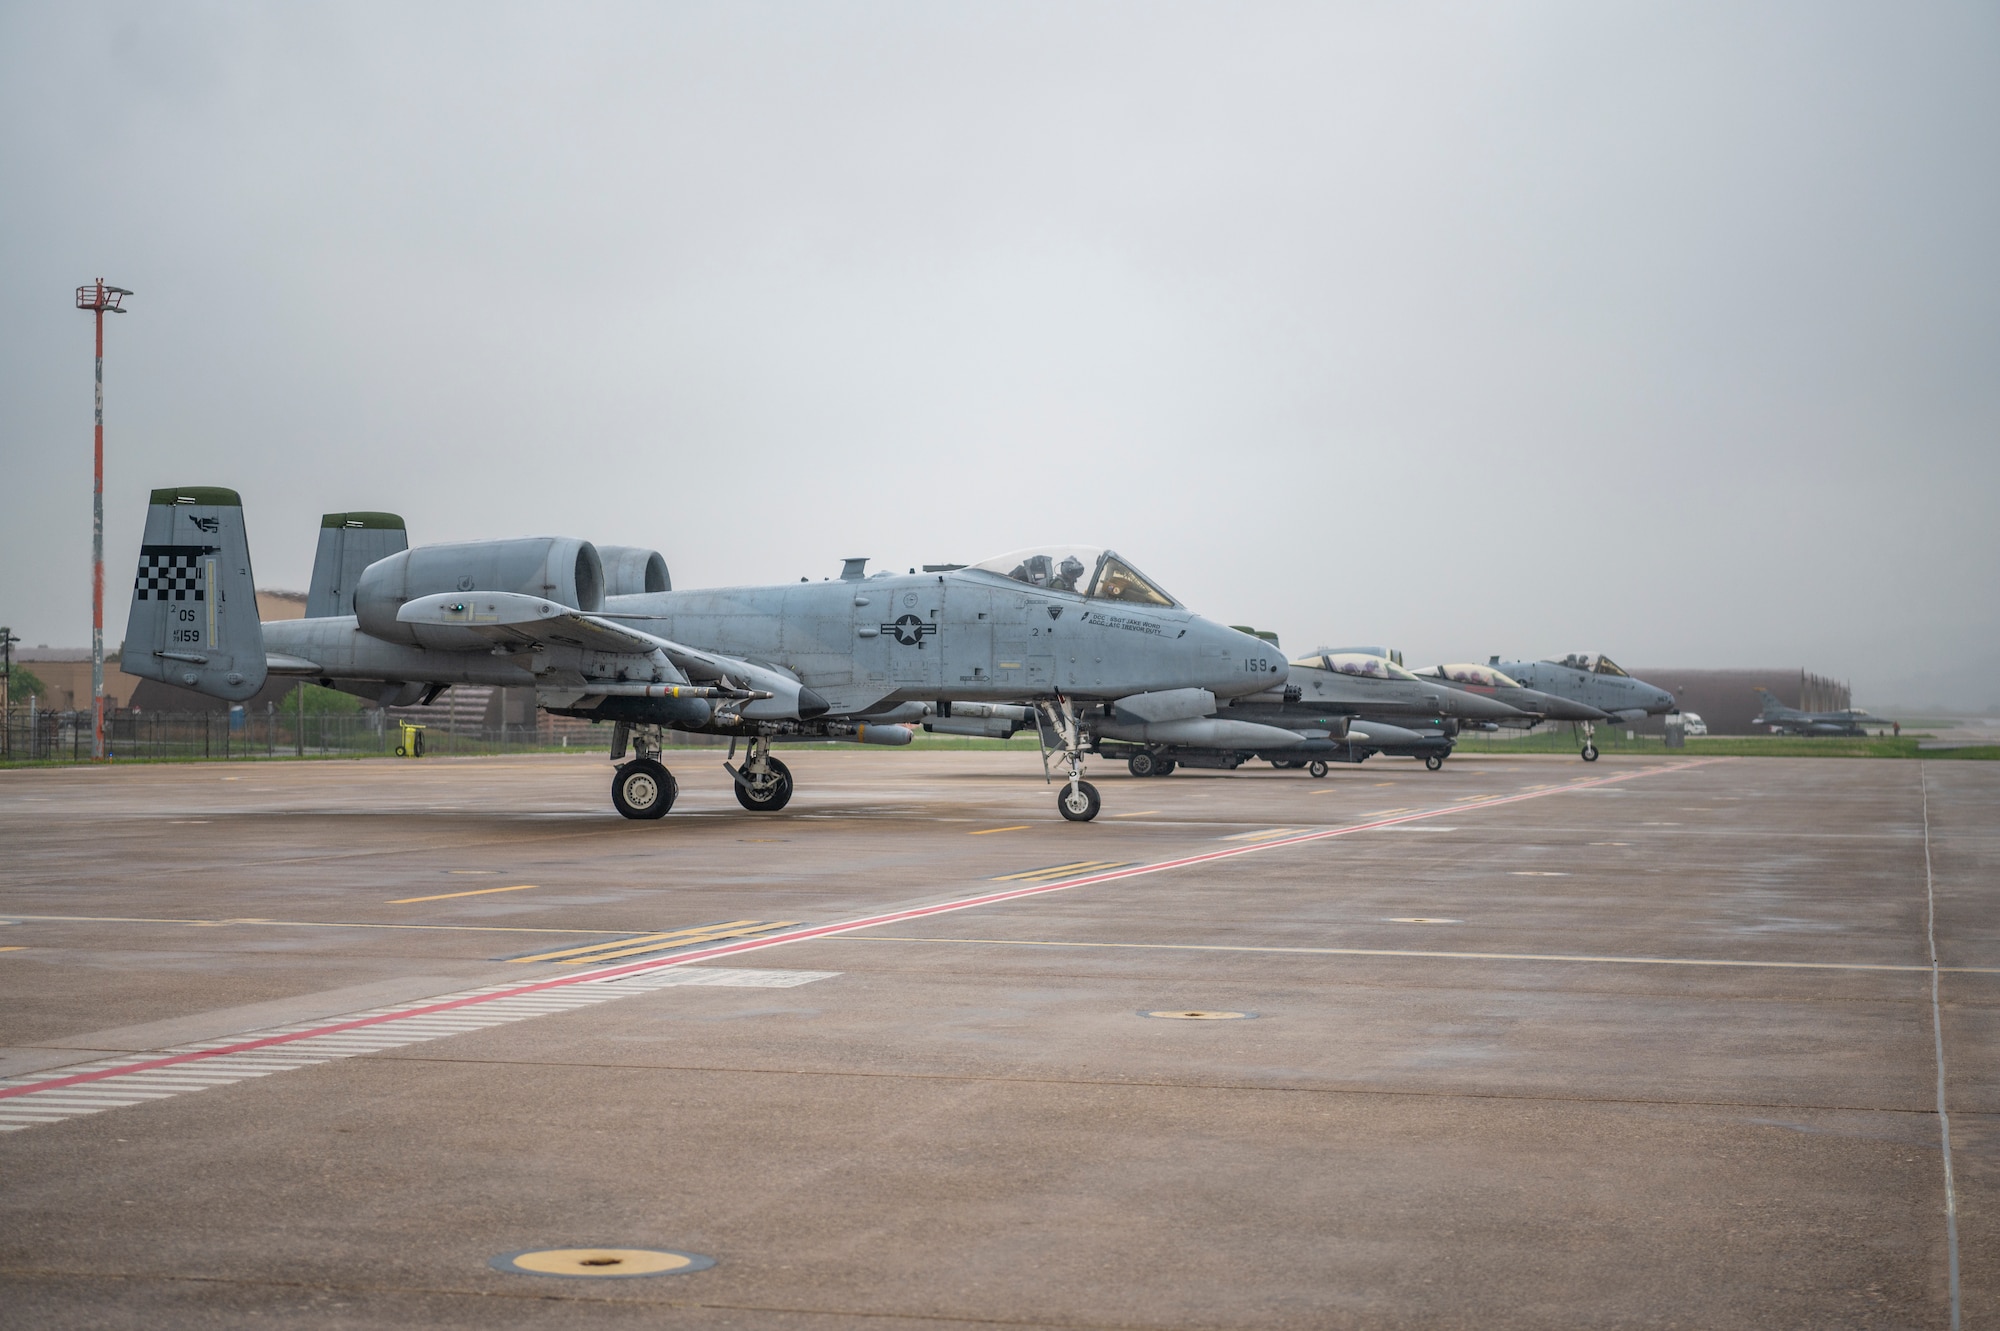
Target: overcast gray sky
1668	331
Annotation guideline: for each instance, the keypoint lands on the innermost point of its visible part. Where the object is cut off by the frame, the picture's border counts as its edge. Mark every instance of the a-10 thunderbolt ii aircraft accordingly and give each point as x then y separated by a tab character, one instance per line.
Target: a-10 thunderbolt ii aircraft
1596	680
1534	706
1785	720
601	635
1336	707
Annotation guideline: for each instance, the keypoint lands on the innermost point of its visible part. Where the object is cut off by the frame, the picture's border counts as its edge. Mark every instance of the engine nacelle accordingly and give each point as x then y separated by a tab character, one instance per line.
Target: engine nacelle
560	568
629	570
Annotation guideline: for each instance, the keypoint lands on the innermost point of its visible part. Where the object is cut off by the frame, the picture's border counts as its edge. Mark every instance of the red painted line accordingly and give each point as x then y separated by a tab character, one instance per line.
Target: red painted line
825	931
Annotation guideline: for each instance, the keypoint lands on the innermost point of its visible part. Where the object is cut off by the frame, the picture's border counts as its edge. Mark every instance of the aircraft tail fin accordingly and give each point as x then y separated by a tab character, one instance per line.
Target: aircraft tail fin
194	603
348	543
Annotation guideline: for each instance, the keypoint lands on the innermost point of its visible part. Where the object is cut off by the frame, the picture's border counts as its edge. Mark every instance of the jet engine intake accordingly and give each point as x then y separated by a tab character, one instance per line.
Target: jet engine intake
631	571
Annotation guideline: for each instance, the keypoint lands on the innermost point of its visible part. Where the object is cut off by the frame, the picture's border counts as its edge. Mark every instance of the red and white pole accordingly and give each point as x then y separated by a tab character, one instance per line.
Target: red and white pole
97	552
98	298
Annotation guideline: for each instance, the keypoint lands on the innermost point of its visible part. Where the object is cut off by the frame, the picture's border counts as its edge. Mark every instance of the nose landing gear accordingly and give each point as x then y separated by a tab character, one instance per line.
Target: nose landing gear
1079	800
1589	753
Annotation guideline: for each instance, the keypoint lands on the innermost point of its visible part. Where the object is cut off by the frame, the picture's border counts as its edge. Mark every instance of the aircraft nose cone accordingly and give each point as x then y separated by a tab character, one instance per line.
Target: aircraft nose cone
811	704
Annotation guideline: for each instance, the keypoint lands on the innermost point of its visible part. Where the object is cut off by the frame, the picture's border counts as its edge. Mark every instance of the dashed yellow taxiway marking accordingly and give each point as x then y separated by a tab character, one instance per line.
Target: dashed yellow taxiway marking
475	892
1137	813
1266	834
989	831
22	948
611	949
1054	871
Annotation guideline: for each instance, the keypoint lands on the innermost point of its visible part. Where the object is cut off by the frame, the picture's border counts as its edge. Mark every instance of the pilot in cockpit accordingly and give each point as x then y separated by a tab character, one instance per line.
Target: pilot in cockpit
1043	571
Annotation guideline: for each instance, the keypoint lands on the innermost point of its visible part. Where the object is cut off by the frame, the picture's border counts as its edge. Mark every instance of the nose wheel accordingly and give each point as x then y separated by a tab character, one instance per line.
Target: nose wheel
1316	768
1079	802
1589	754
1434	761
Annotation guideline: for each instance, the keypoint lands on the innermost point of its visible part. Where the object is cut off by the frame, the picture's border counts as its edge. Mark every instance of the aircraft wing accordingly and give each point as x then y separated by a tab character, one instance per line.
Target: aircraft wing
512	619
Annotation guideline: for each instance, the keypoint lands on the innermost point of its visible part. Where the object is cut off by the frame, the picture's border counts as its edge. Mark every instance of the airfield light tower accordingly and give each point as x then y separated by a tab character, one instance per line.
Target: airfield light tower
98	299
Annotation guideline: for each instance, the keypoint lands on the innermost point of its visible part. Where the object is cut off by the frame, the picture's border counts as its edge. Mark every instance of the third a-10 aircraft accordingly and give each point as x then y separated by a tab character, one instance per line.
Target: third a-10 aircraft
1785	720
1079	632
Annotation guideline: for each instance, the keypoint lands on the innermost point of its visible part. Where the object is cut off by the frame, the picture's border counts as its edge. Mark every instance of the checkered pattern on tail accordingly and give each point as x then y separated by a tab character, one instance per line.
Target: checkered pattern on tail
170	573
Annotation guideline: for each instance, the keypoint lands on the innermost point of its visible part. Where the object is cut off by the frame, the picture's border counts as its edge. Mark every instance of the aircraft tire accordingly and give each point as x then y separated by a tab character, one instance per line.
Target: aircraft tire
1165	767
777	798
1080	803
643	789
1590	753
1316	768
1142	764
1434	762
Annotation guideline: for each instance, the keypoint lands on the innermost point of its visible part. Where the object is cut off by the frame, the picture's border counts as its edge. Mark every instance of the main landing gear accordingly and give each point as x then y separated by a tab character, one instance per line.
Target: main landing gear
642	788
1147	763
763	784
1079	801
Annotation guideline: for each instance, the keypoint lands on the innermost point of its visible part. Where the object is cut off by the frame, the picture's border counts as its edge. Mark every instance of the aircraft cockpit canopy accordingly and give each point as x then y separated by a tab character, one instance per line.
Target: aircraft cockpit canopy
1485	677
1594	665
1355	663
1081	570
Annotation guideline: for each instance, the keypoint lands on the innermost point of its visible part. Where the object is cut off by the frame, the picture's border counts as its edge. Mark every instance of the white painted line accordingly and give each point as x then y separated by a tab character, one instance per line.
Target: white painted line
119	1083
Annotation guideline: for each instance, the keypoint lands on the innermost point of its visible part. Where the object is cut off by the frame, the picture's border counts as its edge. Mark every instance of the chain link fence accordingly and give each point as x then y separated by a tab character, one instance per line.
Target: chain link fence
65	737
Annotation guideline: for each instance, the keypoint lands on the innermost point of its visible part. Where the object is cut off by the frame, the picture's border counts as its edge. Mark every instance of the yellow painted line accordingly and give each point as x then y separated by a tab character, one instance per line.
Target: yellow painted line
1140	814
475	892
629	939
1267	834
1459	956
22	948
989	831
712	936
1053	868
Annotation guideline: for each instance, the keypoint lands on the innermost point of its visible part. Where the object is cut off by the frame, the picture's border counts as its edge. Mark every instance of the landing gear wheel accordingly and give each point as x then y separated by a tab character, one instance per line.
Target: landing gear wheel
1590	753
1164	767
1142	764
1317	768
1079	803
1434	762
772	794
643	789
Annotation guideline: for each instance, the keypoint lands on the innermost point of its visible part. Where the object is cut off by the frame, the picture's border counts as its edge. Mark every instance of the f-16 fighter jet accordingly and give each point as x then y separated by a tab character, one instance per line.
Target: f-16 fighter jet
1785	720
1596	680
601	635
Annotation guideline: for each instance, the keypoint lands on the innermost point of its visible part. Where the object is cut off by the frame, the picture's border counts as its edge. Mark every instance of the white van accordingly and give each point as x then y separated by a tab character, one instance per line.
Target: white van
1693	723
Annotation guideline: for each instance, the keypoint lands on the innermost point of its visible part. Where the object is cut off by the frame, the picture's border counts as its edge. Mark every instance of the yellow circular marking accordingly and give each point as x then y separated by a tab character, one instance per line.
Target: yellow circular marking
601	1262
1199	1014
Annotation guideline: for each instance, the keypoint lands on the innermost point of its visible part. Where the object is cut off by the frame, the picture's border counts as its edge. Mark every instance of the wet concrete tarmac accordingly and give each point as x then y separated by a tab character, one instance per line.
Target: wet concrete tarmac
1648	1042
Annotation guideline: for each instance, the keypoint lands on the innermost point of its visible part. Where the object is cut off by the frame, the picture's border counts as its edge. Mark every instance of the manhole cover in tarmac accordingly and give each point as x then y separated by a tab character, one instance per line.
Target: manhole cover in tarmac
1197	1014
598	1263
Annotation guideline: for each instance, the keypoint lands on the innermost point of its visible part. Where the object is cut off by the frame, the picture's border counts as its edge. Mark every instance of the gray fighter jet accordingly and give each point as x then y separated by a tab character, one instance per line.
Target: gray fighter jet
1307	722
600	634
1596	680
1785	720
1534	705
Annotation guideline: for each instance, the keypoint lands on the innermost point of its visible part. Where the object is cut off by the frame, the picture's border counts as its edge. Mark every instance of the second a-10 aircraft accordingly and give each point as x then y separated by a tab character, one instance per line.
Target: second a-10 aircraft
1079	632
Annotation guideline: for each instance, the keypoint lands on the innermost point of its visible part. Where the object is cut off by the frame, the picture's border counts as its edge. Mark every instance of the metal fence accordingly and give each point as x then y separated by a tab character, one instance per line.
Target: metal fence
34	736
